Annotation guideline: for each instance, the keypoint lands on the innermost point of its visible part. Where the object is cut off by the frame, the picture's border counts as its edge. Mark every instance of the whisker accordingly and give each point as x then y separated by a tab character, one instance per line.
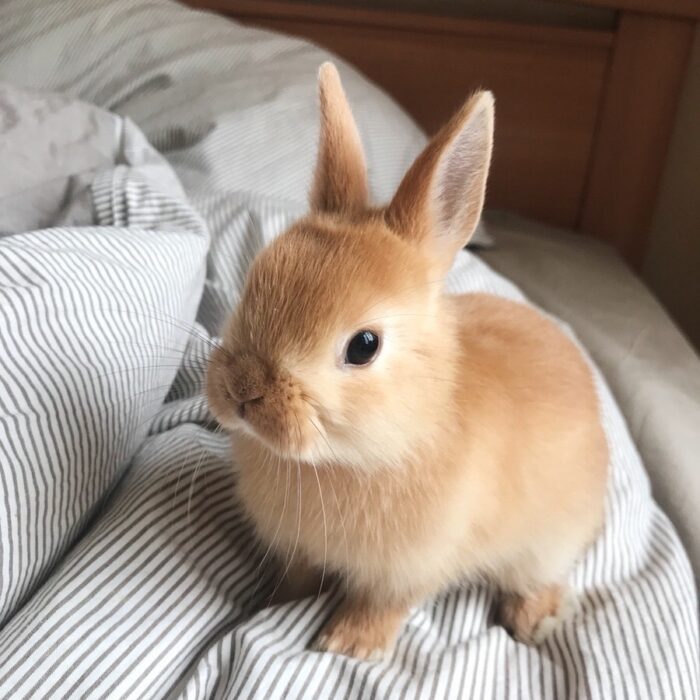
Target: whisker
337	502
192	482
132	395
134	368
182	352
164	317
296	541
181	470
269	457
279	524
325	530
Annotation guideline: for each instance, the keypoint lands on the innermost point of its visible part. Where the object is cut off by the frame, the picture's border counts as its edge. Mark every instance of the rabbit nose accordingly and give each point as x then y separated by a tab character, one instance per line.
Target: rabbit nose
247	381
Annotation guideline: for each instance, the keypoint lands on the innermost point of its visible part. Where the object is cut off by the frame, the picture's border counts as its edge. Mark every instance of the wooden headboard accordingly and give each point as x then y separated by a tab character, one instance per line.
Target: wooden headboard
584	116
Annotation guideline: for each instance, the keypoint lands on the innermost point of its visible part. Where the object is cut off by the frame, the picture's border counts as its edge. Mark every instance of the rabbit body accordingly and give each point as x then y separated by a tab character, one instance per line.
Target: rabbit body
468	446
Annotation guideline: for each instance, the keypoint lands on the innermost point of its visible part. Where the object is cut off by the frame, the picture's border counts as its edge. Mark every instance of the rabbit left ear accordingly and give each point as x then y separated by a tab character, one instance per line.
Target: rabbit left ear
340	180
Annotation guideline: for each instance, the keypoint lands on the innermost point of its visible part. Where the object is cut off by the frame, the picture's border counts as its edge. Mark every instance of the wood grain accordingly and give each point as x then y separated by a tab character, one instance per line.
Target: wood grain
689	9
548	83
395	19
583	117
637	116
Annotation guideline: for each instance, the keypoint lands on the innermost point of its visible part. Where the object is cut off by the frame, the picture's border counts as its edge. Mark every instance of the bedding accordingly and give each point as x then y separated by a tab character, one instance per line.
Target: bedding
127	569
232	108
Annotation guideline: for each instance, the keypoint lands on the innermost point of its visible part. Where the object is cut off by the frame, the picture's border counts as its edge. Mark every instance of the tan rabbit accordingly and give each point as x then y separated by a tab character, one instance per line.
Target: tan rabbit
398	438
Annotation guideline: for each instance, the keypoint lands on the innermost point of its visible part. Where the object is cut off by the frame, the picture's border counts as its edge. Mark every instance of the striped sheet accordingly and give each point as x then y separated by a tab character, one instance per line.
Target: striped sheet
126	569
161	596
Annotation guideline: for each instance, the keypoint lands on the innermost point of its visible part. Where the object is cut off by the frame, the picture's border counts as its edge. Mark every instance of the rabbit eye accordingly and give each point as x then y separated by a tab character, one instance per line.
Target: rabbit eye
362	348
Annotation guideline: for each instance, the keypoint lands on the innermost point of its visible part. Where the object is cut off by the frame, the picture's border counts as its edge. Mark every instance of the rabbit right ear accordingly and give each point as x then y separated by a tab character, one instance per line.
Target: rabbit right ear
340	180
439	200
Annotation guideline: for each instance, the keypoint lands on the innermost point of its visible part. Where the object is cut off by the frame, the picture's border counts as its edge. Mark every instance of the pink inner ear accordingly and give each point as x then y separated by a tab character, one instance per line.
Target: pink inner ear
439	200
460	178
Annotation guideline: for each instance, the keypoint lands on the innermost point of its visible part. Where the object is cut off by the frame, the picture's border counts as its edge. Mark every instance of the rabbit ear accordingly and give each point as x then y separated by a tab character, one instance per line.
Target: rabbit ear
340	181
439	200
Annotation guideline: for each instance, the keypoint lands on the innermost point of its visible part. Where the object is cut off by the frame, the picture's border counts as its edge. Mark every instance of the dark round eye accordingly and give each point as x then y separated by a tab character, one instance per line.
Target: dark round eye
362	348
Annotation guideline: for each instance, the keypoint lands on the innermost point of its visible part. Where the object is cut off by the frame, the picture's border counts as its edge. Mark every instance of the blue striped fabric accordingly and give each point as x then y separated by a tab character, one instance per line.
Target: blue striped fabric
161	595
126	567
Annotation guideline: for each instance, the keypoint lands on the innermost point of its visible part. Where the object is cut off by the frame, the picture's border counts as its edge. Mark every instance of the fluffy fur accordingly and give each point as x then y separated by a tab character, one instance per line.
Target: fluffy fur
470	447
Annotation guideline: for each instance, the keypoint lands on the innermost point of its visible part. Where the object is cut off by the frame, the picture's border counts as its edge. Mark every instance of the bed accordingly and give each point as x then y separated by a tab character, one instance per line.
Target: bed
149	152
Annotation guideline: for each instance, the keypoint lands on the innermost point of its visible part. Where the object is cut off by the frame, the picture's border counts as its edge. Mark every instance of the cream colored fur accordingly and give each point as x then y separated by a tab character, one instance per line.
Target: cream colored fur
470	448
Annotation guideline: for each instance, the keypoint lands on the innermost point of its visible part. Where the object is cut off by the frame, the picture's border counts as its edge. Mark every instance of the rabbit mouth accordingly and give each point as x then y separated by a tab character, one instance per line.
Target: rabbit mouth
283	432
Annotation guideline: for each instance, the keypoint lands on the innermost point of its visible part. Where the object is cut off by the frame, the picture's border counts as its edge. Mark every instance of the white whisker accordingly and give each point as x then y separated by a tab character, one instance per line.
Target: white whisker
337	502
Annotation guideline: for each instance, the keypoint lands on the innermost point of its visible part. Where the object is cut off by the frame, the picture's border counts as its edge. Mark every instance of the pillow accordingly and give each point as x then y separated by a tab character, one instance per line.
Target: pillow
94	312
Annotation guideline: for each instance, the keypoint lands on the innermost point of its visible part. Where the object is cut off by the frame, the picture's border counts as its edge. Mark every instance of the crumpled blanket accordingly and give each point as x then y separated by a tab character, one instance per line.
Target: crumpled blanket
126	567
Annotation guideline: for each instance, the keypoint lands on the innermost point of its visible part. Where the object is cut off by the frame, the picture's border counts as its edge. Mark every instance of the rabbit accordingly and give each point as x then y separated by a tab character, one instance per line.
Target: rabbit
398	438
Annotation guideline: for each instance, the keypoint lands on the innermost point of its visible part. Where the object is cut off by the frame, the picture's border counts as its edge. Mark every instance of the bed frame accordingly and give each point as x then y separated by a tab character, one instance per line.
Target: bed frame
584	117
